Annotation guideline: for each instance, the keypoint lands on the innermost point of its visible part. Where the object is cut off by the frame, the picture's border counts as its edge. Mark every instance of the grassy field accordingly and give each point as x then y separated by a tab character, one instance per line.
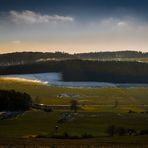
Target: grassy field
98	112
38	122
95	99
18	132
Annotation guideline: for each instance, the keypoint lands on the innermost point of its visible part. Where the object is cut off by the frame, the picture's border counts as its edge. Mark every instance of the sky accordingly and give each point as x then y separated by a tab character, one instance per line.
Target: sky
73	26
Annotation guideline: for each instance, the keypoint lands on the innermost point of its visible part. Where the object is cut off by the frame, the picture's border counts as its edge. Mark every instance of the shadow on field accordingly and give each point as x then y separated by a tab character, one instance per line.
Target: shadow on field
55	143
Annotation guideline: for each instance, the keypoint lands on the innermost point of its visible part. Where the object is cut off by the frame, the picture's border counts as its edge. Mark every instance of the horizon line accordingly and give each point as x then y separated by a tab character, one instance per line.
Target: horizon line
25	51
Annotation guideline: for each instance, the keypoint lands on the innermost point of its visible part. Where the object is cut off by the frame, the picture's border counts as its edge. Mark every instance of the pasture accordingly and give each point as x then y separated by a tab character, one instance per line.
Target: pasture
100	108
39	122
91	99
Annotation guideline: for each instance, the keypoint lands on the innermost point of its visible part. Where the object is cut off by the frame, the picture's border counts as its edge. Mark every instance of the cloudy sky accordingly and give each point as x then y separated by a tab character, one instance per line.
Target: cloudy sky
73	25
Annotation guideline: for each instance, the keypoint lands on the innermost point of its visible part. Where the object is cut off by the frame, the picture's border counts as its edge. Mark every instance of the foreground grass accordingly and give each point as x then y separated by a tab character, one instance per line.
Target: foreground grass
38	122
135	142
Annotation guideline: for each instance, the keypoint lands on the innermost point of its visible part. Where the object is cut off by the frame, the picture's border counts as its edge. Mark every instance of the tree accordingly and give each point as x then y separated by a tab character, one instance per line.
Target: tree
14	101
74	105
37	100
116	104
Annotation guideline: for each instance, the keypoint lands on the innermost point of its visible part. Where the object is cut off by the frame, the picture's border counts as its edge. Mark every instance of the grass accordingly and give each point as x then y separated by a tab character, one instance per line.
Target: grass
38	122
98	112
86	143
32	122
95	99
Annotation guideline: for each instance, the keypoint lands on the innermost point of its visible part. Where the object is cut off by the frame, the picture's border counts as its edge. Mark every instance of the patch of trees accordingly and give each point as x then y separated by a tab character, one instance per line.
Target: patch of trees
84	70
14	101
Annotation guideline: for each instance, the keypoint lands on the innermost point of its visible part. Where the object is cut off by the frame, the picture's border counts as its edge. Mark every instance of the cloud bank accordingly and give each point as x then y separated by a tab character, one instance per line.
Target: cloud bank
30	17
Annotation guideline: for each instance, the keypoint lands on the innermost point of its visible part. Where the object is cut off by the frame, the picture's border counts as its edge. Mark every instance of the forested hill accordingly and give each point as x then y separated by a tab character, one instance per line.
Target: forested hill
112	55
86	70
19	58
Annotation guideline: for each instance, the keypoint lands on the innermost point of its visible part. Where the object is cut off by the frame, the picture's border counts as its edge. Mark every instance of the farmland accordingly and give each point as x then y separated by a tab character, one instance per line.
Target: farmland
97	112
88	97
38	122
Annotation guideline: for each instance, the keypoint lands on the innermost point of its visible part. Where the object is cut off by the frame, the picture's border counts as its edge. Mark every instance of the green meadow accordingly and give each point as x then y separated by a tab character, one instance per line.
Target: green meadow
38	122
97	111
91	99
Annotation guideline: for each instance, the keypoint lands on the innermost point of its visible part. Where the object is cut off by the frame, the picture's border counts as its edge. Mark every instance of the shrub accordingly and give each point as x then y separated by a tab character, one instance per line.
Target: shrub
66	135
131	112
121	131
115	130
85	135
143	132
111	130
131	132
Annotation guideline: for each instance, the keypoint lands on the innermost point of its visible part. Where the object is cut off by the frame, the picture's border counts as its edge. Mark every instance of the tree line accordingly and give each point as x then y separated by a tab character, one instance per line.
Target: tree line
112	55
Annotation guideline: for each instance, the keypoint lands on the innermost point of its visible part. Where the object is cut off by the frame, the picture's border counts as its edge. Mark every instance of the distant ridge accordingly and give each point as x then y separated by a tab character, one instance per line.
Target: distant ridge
18	58
113	54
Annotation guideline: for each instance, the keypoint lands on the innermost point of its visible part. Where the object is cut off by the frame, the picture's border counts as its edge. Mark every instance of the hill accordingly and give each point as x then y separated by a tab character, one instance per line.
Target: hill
18	58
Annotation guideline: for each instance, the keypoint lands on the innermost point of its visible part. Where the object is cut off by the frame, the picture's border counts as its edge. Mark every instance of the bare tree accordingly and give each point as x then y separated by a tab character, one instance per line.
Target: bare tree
116	103
74	105
37	100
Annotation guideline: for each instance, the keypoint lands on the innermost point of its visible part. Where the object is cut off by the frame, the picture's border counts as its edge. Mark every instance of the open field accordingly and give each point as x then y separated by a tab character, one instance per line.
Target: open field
37	122
95	99
96	124
97	113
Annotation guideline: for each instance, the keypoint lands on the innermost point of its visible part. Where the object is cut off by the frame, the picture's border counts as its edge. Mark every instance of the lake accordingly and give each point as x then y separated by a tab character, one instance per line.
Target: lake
55	79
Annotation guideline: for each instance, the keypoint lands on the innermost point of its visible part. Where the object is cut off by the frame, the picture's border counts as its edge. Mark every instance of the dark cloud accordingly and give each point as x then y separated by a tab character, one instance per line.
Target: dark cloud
74	6
83	10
